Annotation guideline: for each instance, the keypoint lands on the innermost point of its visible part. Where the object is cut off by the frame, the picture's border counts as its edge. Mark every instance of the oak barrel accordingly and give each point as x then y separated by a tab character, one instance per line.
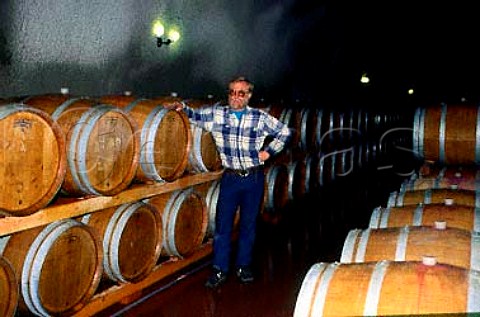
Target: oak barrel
323	172
357	125
184	218
275	189
334	135
290	116
34	160
308	125
334	165
203	156
447	134
209	192
449	177
410	243
160	129
456	216
387	288
434	196
433	170
338	128
9	292
439	183
58	266
311	181
102	144
276	109
296	179
321	129
132	240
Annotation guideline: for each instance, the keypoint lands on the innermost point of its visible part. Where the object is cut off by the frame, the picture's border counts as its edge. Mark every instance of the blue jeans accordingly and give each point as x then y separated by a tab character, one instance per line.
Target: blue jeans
246	193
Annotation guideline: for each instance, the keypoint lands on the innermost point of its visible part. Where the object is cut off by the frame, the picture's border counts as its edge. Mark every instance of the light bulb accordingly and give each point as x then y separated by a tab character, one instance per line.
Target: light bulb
158	29
174	35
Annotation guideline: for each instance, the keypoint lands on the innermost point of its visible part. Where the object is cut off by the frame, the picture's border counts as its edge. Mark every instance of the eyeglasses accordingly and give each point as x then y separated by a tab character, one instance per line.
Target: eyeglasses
239	93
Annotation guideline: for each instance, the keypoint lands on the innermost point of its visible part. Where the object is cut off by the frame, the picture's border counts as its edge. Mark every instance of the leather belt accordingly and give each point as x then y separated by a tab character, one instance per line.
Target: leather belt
244	172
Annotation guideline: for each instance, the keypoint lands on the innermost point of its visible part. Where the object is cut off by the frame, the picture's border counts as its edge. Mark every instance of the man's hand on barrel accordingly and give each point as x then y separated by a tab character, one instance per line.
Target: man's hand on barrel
176	105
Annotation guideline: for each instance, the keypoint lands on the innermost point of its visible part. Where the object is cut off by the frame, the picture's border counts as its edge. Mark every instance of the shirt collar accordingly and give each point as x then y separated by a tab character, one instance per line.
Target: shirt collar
246	109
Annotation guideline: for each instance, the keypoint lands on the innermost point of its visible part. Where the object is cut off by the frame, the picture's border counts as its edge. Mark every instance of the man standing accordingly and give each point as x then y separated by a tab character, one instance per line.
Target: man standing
239	132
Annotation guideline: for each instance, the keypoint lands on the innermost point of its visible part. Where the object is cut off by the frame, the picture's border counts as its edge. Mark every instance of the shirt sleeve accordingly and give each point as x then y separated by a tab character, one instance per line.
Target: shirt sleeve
279	132
201	117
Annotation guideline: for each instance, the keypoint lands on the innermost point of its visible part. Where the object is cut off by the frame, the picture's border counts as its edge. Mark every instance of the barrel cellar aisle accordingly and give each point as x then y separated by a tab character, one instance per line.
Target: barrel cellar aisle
114	237
299	226
346	170
419	254
299	249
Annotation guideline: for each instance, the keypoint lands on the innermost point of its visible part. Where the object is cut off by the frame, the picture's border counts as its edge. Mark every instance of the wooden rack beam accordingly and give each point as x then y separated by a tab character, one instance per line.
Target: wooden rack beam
125	292
73	207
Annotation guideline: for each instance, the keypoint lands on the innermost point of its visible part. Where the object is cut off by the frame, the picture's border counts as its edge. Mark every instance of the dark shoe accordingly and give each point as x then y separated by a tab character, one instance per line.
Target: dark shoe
244	275
216	279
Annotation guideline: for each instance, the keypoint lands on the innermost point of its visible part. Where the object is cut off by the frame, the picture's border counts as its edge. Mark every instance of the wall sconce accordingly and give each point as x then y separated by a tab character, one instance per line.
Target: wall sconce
159	30
161	41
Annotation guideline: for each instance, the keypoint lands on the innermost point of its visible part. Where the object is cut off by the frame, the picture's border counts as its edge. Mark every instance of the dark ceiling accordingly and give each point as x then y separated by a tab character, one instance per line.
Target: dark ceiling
431	49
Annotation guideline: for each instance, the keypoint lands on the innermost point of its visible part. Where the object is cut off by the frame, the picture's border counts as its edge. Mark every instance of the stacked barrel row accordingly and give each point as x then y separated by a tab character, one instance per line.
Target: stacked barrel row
61	146
421	252
326	146
33	168
82	146
59	267
318	128
418	256
57	147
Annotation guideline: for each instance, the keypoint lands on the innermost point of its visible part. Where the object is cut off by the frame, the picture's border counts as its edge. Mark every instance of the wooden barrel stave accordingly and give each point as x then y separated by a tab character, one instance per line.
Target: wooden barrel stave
34	161
276	189
9	290
58	266
455	216
447	134
410	243
159	129
185	220
385	288
203	156
132	240
102	144
433	196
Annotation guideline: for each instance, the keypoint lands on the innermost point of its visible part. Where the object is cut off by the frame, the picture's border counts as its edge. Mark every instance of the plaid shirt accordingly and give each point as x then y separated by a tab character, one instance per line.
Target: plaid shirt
239	141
